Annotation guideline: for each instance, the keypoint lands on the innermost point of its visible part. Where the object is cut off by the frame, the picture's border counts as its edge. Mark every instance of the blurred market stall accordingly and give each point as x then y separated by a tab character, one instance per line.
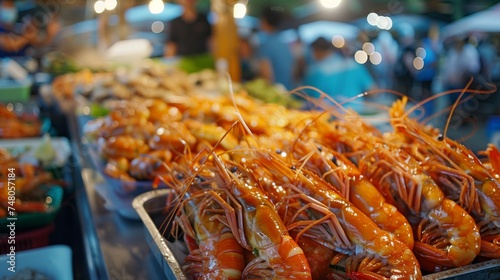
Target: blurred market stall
483	21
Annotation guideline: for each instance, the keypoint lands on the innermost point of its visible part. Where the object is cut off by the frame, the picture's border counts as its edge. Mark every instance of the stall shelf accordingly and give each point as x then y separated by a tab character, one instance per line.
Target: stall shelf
115	244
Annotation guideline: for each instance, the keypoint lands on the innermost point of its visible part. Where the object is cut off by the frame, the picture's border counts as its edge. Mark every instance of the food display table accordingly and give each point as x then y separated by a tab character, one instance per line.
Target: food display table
117	244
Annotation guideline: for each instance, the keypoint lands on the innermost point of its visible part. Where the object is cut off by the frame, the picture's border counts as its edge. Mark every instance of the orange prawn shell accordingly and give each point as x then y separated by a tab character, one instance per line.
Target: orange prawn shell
160	112
6	114
264	229
175	136
122	146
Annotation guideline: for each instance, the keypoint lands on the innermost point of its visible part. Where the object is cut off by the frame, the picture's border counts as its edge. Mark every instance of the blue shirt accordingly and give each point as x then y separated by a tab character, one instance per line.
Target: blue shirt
279	55
339	77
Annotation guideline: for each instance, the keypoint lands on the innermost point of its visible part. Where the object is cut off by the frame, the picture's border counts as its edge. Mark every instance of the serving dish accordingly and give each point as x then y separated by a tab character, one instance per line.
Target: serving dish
170	253
25	148
53	198
118	194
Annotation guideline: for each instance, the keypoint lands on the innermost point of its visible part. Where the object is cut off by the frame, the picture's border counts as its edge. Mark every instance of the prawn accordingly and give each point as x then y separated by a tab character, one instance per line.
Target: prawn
493	155
404	184
309	222
459	172
261	230
446	235
214	251
354	233
218	254
122	146
341	173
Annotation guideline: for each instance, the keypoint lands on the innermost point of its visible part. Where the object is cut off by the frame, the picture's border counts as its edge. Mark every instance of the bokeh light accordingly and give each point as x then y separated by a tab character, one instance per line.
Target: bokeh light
361	57
338	41
420	52
330	3
418	63
388	24
372	19
110	4
382	22
157	27
375	58
239	10
99	6
156	6
368	47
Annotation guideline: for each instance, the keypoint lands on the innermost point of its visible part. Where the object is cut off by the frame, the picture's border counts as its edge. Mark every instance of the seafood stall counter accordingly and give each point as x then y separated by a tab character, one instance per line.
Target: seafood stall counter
123	247
133	246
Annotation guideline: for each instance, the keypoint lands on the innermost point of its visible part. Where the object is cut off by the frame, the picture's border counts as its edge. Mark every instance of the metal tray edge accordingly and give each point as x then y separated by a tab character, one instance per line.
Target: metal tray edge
161	246
479	269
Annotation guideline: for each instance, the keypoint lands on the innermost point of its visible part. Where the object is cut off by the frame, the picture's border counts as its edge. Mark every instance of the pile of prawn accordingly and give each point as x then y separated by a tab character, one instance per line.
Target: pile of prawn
13	125
148	80
269	192
26	191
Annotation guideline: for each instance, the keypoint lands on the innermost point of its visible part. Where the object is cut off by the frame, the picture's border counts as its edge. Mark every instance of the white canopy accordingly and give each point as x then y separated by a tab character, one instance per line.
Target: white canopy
484	21
311	31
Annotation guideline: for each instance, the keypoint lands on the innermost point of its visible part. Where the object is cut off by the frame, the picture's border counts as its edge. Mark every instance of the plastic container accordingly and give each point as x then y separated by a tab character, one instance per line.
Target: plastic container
12	91
116	200
53	262
36	220
120	186
26	240
118	194
26	148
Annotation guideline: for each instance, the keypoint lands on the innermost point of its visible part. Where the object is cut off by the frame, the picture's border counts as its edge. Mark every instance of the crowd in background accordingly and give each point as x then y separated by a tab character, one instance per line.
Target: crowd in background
416	63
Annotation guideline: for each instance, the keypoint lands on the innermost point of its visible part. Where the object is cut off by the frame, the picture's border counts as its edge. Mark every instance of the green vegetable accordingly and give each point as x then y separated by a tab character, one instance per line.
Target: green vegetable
97	110
45	152
196	63
262	90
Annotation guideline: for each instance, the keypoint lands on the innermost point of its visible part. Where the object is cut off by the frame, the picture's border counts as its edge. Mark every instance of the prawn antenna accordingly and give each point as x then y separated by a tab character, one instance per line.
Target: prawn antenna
319	101
233	99
182	190
461	99
445	131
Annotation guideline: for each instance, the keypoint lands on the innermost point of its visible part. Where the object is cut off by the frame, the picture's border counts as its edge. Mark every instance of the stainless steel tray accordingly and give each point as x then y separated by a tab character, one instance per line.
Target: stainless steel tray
150	207
488	270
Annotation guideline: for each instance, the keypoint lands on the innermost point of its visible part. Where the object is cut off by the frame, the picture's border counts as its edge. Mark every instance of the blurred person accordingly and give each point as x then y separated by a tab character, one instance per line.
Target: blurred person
424	75
488	104
487	56
403	68
247	59
461	63
189	34
276	63
388	47
337	75
417	64
14	42
302	57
